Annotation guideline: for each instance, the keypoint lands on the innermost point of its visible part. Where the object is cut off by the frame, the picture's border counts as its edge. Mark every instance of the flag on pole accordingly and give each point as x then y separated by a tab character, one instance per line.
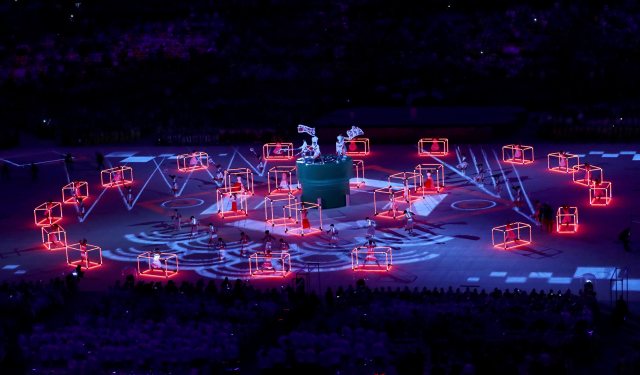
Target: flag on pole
354	132
306	129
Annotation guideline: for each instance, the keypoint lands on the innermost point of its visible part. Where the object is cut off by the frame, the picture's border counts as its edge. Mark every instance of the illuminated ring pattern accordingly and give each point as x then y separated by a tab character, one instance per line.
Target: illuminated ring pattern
182	203
473	204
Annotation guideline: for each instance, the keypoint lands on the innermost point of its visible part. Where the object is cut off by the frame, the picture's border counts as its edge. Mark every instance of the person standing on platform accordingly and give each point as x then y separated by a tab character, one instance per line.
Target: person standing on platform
371	256
213	234
244	242
408	215
221	246
284	246
371	228
194	226
333	233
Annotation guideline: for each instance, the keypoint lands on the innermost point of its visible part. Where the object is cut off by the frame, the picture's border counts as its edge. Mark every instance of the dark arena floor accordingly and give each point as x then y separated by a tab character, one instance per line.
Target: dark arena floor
450	246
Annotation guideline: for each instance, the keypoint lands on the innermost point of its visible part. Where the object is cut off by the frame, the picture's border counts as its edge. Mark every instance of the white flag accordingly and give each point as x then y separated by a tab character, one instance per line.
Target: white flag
306	129
354	132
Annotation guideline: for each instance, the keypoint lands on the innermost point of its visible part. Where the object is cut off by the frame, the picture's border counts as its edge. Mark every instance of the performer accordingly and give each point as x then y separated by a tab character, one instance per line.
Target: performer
267	265
305	219
599	194
81	209
463	165
174	185
194	226
371	256
315	149
193	161
53	237
341	150
267	240
479	178
234	202
511	235
129	195
177	217
517	153
278	149
260	166
219	178
221	246
238	186
156	263
393	205
371	228
47	211
587	173
77	191
244	241
435	145
284	181
333	232
567	218
428	183
83	252
562	161
408	215
284	246
213	233
118	176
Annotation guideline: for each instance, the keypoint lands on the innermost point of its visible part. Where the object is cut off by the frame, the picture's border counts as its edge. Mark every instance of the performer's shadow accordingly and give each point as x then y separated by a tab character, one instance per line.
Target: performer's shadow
536	253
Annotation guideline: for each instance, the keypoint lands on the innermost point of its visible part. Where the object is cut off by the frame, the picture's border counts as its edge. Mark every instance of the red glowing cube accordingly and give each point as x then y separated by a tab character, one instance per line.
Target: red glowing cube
562	162
87	256
277	151
116	176
48	213
511	236
587	174
358	180
193	161
307	221
155	264
362	255
74	191
358	147
432	177
567	219
600	193
275	264
433	147
280	180
517	154
239	180
54	237
274	206
231	204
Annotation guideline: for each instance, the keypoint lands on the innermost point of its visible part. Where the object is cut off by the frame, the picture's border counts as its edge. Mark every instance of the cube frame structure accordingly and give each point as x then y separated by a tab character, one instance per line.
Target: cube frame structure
271	208
75	190
433	147
526	154
554	162
590	174
600	193
364	150
500	235
358	180
186	161
410	182
91	251
378	250
286	148
567	222
230	180
47	213
276	172
394	196
167	269
107	178
282	257
60	234
295	211
436	170
223	194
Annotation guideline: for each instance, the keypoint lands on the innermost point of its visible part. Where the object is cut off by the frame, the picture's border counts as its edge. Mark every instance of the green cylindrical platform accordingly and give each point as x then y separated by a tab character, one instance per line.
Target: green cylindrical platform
328	181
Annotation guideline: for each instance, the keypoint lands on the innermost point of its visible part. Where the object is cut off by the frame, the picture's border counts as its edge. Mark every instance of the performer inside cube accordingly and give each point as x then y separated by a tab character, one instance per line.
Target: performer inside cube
156	263
284	246
341	150
193	160
435	145
278	149
244	241
117	177
428	183
598	193
511	235
221	246
517	152
47	210
234	202
562	160
81	208
174	185
267	265
284	181
77	192
83	250
53	235
393	205
305	219
587	173
194	226
479	178
333	233
566	217
213	233
371	256
371	228
408	215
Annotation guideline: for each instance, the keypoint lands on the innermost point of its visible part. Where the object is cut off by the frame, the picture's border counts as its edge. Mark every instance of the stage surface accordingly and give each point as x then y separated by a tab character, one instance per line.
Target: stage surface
450	246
